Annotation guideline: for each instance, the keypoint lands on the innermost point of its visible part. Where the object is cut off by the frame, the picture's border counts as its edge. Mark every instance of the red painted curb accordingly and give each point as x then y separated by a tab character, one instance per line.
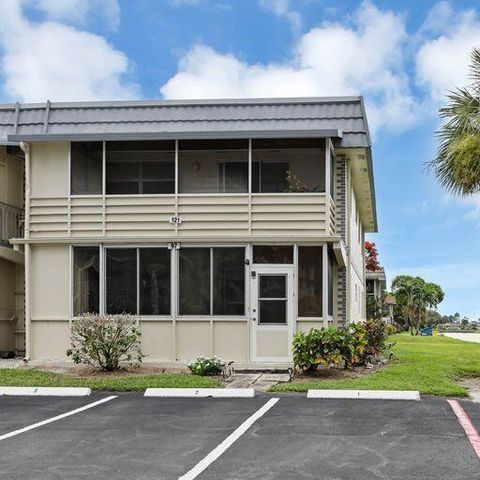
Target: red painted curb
467	425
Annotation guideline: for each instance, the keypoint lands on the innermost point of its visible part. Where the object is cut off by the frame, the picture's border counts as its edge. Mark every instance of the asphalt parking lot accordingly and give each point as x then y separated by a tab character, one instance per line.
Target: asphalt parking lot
132	437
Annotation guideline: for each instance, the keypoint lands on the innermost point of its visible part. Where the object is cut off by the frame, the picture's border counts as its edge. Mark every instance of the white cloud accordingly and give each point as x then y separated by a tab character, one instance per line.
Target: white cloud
282	8
331	59
442	61
77	11
58	62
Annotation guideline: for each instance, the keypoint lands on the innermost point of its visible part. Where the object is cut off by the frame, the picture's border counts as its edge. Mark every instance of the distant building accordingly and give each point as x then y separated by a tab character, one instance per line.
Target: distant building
376	285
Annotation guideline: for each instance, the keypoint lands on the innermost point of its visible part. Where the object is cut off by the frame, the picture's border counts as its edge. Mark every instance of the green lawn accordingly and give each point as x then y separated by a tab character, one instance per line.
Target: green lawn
427	364
26	377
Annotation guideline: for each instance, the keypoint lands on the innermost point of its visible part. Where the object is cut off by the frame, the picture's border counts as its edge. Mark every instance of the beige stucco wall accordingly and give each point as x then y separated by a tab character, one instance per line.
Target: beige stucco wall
49	278
162	341
50	340
49	169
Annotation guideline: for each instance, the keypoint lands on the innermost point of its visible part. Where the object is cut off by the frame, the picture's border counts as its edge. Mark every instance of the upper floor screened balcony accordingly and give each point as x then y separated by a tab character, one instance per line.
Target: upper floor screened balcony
236	168
168	167
191	188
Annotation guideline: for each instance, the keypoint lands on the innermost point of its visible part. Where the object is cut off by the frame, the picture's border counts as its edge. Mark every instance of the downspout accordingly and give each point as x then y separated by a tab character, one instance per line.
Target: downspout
25	146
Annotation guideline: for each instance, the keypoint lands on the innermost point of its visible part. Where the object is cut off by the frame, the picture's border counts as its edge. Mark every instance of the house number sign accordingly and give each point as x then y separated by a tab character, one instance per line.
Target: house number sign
176	220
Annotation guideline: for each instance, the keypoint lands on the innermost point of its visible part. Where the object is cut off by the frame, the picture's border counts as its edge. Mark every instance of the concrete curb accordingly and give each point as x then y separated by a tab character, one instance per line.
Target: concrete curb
365	394
200	392
46	391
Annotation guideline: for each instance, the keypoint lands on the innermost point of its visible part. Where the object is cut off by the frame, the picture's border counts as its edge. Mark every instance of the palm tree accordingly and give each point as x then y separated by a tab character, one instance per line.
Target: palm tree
457	163
415	296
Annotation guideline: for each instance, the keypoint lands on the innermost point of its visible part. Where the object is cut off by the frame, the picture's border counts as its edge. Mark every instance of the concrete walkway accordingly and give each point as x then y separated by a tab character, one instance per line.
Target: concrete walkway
466	337
261	382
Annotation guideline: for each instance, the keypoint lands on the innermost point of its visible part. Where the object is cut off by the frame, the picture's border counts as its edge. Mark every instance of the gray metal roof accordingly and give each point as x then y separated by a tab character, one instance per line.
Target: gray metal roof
342	118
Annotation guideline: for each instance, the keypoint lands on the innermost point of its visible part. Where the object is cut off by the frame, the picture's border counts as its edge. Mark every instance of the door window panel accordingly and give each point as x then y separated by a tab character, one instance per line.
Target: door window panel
272	312
272	299
273	286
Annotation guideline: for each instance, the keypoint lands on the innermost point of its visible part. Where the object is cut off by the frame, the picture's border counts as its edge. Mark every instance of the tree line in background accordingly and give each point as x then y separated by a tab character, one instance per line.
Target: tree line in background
414	301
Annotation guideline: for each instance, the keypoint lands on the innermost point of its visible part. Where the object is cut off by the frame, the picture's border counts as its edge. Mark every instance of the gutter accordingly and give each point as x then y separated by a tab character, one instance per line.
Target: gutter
169	135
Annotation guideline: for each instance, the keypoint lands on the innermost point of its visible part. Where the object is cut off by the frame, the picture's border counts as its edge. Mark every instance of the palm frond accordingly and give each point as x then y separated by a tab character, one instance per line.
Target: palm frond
475	68
457	162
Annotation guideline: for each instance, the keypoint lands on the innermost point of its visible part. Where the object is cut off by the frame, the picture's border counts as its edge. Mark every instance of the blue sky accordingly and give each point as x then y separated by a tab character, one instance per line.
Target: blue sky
402	56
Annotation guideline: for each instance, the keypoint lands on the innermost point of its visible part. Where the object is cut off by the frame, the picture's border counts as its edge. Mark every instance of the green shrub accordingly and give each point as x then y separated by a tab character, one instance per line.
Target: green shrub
207	366
353	345
391	330
318	347
104	341
376	336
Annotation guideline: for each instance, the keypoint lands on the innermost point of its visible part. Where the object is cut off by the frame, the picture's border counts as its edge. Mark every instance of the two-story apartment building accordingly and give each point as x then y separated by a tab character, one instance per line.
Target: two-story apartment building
224	226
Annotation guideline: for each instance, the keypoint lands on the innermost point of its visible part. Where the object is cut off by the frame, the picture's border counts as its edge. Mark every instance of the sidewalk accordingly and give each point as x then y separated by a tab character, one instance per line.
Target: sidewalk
466	337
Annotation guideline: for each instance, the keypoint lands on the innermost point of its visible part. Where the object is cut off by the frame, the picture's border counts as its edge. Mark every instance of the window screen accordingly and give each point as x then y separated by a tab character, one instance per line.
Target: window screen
194	281
155	288
273	254
213	166
310	281
140	167
121	281
288	165
86	168
229	281
224	268
86	280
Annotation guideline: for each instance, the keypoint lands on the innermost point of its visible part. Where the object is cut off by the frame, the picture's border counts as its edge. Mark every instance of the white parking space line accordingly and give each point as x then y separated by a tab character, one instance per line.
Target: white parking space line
228	442
467	425
54	419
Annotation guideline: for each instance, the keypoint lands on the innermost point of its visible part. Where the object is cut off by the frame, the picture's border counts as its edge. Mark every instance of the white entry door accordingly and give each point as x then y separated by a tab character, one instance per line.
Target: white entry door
271	313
